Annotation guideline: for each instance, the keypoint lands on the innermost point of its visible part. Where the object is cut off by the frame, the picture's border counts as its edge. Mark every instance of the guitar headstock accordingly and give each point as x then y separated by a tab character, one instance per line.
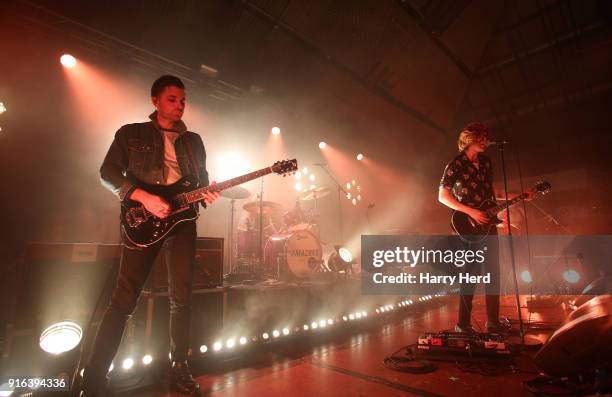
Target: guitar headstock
285	167
542	187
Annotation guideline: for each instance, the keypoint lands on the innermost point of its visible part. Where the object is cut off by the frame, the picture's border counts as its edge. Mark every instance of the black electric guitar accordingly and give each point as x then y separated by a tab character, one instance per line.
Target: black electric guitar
469	230
140	228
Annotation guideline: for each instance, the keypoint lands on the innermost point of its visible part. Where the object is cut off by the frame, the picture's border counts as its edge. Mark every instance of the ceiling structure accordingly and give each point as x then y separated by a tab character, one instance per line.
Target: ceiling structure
403	70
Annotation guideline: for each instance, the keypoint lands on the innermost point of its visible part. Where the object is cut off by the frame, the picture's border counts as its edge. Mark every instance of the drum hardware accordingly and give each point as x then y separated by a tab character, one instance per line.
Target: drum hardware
314	194
341	193
267	207
235	193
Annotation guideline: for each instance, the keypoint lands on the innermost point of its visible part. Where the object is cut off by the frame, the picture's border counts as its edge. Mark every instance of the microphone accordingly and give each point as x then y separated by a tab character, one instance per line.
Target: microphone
497	143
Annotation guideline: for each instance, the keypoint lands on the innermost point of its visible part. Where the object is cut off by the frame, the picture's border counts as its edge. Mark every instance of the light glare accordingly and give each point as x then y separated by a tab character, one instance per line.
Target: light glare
68	61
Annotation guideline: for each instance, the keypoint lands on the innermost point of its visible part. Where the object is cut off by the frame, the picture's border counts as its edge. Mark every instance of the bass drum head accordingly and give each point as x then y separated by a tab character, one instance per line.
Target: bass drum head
298	254
303	254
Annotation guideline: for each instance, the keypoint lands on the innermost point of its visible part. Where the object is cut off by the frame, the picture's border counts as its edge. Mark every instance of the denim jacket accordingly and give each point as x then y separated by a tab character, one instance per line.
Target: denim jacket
137	154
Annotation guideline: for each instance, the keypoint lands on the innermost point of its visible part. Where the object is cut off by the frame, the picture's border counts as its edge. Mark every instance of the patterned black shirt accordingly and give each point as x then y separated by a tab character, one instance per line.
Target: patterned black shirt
468	184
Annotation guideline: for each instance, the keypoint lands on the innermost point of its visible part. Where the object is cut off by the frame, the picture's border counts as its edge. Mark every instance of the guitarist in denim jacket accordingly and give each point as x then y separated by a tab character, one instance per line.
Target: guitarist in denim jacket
160	151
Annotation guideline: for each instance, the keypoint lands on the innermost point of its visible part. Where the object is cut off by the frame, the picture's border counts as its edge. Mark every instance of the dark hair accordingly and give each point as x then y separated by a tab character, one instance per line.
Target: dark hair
165	81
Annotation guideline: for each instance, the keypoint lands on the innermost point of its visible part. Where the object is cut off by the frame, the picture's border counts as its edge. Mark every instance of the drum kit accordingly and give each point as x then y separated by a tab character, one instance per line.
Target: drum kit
276	243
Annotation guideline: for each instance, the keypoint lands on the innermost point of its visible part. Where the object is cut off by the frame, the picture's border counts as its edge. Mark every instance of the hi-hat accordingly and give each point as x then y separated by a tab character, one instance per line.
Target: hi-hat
268	207
315	193
236	193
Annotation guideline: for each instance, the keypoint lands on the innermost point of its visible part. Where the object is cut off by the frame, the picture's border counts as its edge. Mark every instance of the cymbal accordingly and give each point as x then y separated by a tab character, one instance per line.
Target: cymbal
268	207
315	193
236	193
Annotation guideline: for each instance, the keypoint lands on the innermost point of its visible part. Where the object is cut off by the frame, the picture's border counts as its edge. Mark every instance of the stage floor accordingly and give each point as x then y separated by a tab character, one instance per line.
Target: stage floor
352	364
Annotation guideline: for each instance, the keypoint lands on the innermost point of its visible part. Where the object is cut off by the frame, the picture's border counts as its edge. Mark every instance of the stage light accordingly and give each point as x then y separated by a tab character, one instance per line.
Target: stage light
351	316
358	315
2	108
230	165
354	201
68	61
348	186
128	363
322	145
526	276
230	343
360	157
147	359
304	171
298	187
306	327
314	325
265	335
345	318
312	177
298	175
6	390
203	349
275	130
364	314
61	337
345	254
217	346
285	331
275	333
571	276
322	323
243	340
110	368
330	321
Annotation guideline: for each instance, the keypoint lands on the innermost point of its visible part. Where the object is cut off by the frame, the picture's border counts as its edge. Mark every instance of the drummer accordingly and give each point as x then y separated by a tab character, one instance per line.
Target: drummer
249	221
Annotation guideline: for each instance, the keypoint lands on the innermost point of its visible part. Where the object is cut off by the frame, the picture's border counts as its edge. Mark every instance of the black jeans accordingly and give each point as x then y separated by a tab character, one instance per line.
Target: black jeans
466	291
134	270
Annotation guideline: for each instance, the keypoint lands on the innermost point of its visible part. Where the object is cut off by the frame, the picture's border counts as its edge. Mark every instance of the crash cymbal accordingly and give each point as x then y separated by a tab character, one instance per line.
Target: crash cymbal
268	207
315	193
236	193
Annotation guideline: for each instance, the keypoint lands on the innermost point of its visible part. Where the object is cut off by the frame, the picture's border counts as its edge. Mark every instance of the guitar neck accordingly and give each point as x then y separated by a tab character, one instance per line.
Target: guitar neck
509	203
198	194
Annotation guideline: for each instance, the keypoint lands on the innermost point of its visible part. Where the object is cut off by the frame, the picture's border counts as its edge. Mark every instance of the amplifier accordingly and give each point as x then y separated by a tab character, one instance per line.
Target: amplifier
64	281
208	270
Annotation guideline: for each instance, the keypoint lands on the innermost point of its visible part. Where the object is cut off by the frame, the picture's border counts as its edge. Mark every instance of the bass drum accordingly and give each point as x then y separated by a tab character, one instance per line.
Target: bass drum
298	254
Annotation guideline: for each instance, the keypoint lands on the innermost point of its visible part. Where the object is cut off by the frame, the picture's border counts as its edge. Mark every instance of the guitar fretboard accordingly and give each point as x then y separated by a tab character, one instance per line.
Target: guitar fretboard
501	207
198	194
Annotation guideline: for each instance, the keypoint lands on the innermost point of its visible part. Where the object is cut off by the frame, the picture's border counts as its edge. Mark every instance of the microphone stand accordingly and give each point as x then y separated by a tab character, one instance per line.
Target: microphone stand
511	243
341	191
261	192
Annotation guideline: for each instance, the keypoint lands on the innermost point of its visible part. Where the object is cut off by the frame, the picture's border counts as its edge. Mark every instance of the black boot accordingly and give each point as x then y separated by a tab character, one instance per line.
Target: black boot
181	379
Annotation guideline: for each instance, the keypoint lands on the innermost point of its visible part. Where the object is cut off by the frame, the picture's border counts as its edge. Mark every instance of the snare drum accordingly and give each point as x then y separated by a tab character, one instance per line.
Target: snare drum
298	253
